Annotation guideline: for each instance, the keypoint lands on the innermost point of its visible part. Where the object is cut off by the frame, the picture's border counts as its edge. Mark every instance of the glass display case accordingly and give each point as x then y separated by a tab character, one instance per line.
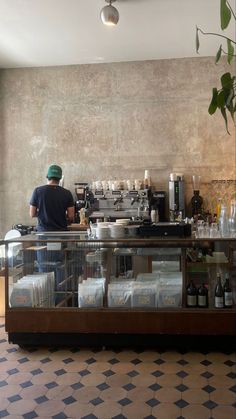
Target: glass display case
66	285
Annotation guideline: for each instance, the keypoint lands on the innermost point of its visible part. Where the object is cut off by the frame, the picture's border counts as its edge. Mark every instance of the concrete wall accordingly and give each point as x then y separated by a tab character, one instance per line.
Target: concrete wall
111	121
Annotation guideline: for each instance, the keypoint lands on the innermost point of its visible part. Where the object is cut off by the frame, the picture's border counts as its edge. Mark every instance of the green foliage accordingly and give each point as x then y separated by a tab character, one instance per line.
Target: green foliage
224	98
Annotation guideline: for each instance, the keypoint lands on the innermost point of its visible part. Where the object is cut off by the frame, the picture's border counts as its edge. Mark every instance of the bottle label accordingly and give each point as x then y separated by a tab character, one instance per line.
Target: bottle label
191	300
219	302
202	301
228	299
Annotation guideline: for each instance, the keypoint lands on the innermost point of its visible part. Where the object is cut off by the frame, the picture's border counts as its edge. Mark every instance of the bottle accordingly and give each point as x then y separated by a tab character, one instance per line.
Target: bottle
228	295
219	293
202	296
191	294
196	203
218	209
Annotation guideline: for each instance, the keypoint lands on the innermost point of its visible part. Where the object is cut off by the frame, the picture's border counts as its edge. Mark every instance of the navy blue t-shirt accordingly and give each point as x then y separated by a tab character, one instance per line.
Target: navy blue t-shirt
52	202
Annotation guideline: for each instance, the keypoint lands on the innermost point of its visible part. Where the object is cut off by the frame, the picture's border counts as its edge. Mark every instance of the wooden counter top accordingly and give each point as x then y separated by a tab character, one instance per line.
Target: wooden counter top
78	227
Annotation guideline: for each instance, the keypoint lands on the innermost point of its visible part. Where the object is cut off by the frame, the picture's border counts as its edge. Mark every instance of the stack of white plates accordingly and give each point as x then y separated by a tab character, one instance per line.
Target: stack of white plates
117	231
122	221
102	231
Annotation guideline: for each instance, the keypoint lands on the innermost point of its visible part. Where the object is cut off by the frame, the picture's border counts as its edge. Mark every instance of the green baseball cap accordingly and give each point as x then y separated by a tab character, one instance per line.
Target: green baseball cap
54	171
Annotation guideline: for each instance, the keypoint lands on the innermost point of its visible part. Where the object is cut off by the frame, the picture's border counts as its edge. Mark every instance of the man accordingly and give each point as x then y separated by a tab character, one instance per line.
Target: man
52	204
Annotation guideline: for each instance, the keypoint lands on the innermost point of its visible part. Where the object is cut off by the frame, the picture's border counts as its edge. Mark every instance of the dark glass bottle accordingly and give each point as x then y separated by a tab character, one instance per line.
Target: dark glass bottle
196	203
228	295
202	296
191	294
219	293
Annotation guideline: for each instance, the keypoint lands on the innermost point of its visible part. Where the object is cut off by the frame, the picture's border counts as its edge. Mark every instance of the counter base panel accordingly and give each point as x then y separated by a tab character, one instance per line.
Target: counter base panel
91	321
145	341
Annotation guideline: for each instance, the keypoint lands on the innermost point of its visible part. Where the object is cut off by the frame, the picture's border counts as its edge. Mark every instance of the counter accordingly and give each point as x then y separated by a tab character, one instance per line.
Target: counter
76	266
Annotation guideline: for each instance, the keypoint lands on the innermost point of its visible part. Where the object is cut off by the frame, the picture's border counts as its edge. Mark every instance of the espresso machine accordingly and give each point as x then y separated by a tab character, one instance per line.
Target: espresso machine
112	204
176	197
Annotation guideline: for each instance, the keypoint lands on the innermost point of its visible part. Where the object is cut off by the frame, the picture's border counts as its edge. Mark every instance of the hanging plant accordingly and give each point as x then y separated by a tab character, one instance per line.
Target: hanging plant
223	98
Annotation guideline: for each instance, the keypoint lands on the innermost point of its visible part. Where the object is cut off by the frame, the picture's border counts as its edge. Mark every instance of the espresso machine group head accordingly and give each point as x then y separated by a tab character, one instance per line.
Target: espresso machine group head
176	197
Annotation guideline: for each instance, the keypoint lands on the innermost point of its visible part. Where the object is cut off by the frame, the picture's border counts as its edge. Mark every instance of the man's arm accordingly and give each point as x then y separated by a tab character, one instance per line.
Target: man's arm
70	214
33	211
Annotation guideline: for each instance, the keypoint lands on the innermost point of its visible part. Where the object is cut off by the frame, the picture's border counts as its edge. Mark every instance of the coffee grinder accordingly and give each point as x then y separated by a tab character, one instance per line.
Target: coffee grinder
176	197
196	201
84	199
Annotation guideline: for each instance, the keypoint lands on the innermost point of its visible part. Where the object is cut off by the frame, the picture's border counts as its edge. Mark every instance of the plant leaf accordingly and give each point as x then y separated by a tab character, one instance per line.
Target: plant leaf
225	14
213	105
226	81
221	99
230	51
230	108
229	98
197	40
218	55
223	112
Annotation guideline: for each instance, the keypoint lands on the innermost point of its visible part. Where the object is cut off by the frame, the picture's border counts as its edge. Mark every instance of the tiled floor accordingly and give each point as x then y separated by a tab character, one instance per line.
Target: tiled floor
115	384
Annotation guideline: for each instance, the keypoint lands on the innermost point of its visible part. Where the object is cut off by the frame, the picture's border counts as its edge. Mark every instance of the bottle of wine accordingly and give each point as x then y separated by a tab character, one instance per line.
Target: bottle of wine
219	293
191	294
202	296
228	295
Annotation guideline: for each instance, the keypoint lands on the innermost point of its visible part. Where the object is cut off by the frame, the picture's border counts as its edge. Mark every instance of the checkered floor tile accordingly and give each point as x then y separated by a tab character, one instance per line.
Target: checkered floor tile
83	383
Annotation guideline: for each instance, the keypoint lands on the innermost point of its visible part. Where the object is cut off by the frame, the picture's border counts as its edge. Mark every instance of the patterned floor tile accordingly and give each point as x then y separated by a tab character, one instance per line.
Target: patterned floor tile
107	410
78	410
140	394
21	407
143	380
136	410
167	395
85	394
4	403
114	394
115	383
223	396
224	412
196	411
222	381
33	392
118	380
92	379
49	408
166	410
195	396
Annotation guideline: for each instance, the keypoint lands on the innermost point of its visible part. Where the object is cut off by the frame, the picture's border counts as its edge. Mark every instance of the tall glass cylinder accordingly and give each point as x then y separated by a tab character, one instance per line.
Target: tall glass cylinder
232	220
223	222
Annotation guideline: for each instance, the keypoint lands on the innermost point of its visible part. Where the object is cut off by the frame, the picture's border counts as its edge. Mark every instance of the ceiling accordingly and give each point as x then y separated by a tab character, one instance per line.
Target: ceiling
37	33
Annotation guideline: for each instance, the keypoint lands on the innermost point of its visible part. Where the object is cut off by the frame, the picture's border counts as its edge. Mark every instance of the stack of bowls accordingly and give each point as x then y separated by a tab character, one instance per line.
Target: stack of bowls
102	231
117	231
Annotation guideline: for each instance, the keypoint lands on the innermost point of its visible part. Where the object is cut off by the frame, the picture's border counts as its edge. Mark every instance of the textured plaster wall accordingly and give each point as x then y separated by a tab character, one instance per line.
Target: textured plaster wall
110	121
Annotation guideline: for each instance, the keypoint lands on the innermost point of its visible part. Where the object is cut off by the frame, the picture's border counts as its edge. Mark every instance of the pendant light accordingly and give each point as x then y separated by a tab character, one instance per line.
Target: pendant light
109	14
